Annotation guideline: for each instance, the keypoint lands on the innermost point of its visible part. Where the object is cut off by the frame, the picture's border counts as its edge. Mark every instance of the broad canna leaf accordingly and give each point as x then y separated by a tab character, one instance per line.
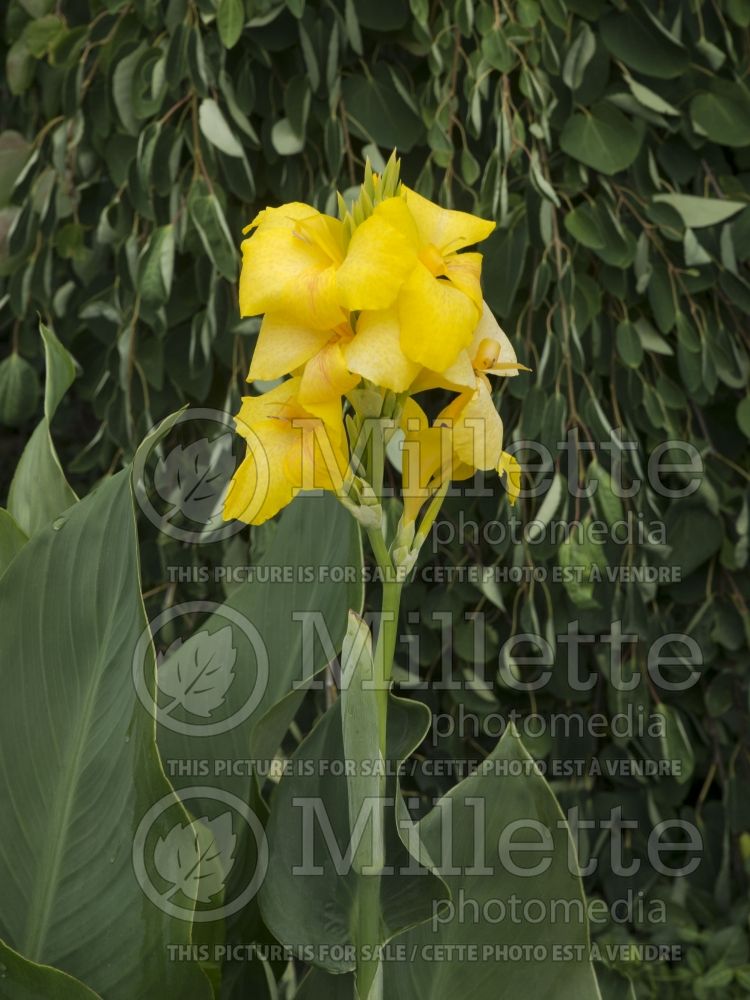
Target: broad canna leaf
79	762
465	828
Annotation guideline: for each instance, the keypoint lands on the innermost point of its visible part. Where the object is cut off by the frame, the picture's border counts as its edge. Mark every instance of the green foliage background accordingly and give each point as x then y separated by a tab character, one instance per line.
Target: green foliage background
611	142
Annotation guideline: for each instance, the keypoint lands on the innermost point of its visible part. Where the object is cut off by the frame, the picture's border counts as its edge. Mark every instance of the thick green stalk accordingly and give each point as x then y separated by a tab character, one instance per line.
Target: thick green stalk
368	917
369	981
384	650
368	912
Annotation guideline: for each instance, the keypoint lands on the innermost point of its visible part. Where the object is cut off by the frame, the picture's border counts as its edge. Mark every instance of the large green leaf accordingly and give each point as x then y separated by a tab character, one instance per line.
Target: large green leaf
379	113
39	490
602	138
698	212
643	43
24	980
469	822
723	113
279	634
12	540
78	760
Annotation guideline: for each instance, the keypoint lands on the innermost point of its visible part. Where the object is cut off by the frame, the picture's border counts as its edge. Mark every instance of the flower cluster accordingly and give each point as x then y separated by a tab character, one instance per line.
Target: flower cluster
365	312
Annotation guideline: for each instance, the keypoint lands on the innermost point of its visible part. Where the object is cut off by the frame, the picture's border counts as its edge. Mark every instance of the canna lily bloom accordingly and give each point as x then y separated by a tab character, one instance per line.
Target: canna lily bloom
477	429
431	318
466	436
290	447
418	299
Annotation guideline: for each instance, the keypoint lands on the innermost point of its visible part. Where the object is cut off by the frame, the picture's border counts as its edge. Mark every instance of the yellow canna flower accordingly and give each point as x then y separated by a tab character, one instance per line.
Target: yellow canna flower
436	306
440	303
476	430
476	424
467	435
387	293
290	447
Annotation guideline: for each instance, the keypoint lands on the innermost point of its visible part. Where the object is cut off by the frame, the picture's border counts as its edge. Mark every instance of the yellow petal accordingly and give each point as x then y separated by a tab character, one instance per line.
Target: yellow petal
426	459
317	457
282	403
326	376
284	344
447	229
437	320
314	461
477	430
260	487
281	215
490	349
381	254
269	405
330	413
282	271
325	232
396	212
289	448
459	377
413	417
510	465
375	352
464	270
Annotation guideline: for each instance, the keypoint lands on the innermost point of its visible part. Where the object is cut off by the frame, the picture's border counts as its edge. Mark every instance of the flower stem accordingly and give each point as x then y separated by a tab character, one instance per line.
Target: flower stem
367	916
368	909
369	975
384	650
